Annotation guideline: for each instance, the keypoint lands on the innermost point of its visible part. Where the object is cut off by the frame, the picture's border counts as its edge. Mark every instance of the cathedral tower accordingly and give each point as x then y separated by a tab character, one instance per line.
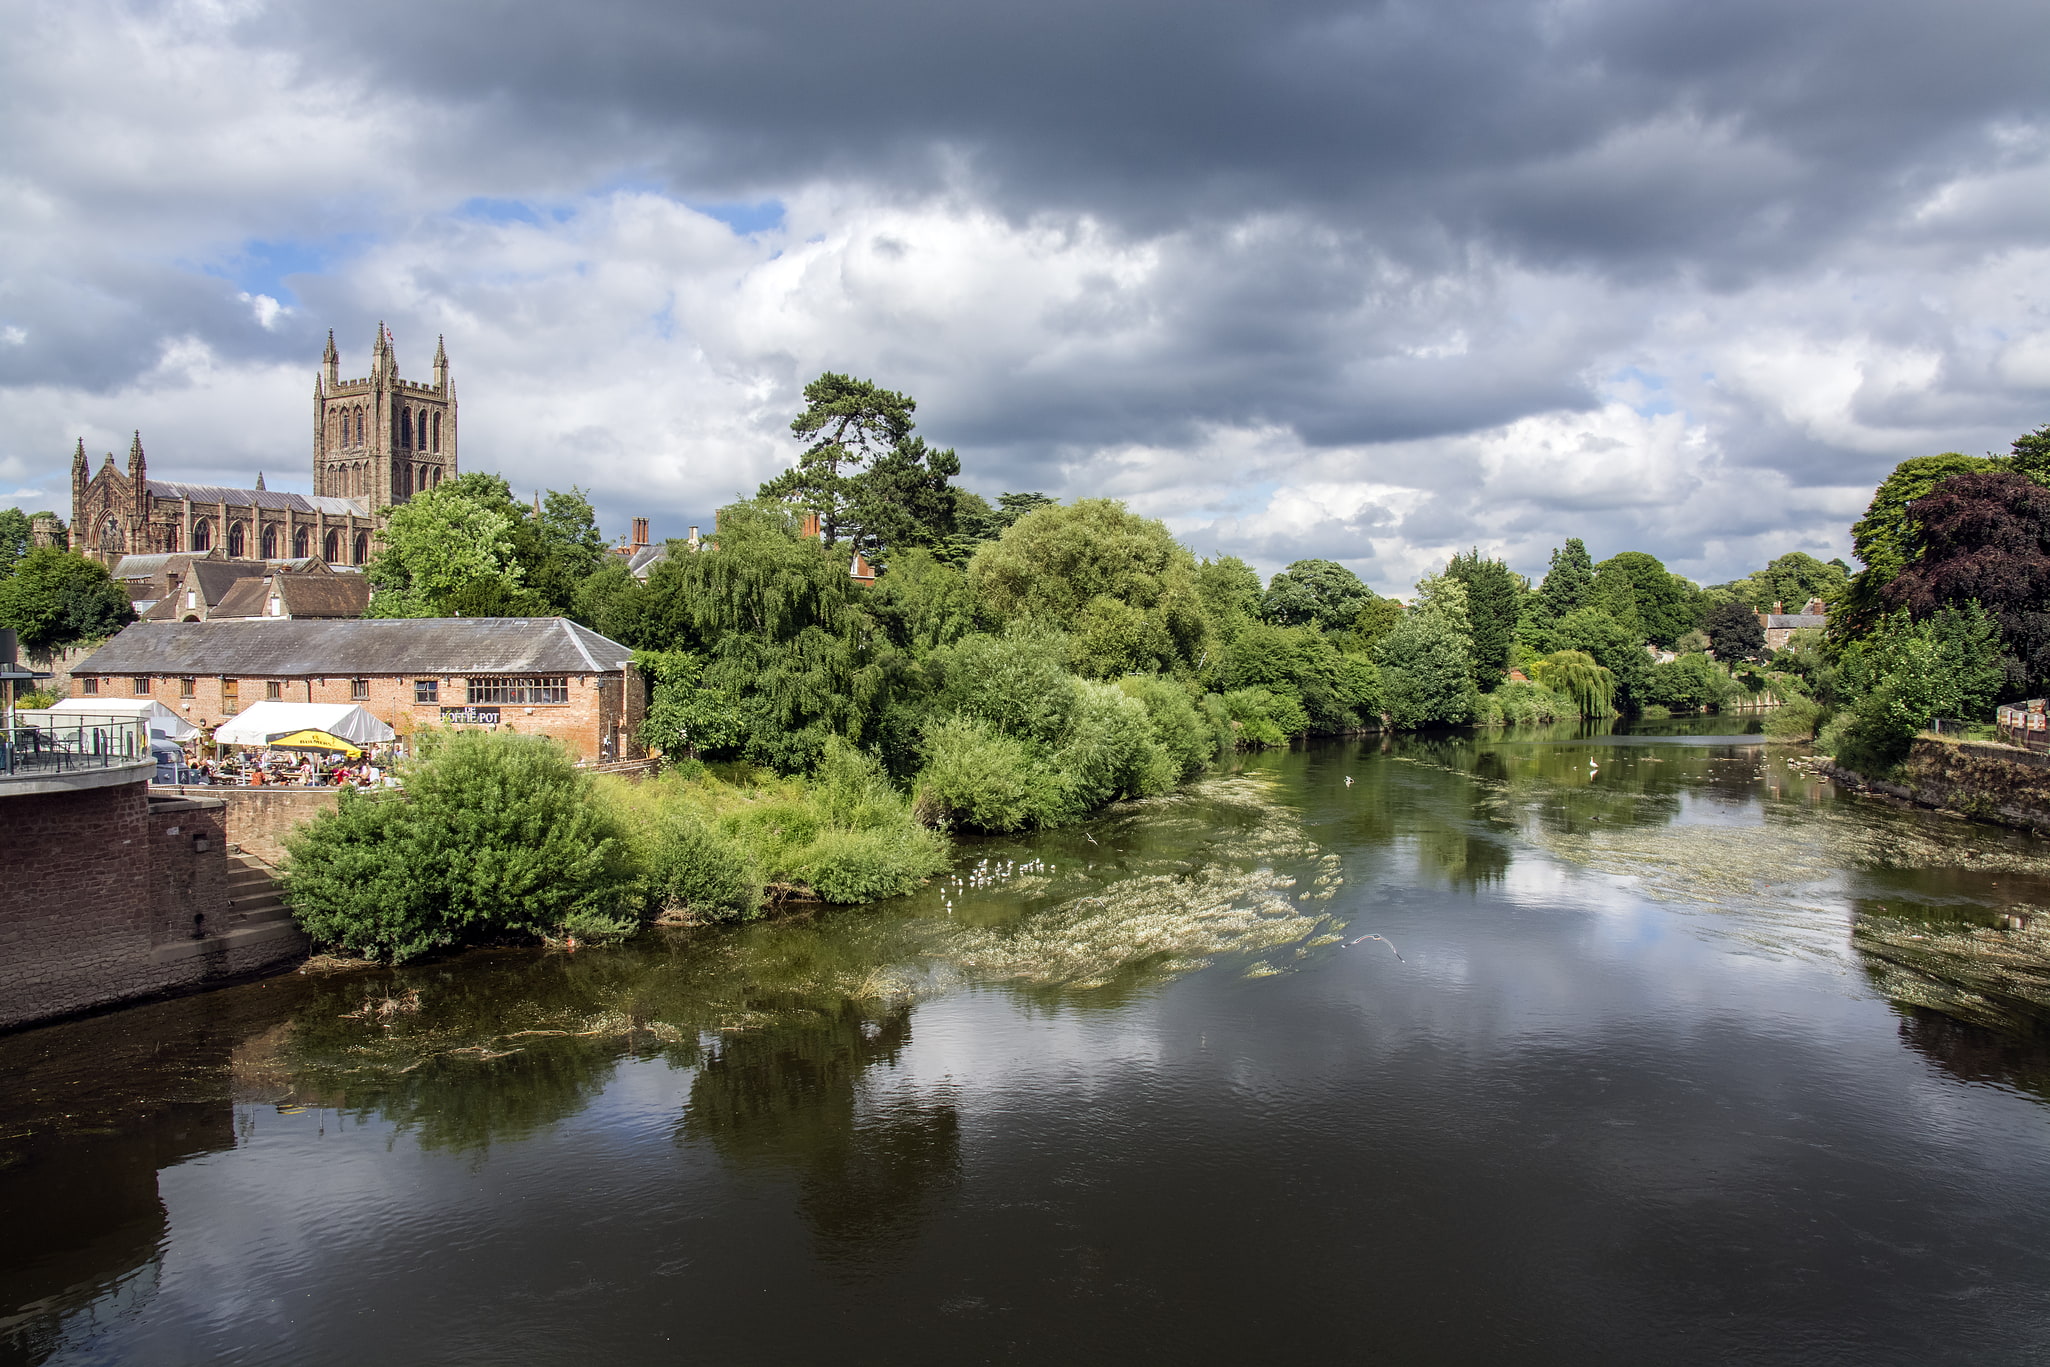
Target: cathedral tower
382	439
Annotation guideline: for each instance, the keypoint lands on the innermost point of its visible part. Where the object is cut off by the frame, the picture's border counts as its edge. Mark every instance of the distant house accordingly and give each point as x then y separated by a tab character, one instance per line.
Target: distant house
198	588
1780	625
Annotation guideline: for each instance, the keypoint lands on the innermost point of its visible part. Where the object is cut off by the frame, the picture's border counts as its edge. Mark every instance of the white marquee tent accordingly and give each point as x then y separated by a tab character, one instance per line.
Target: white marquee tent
263	722
162	720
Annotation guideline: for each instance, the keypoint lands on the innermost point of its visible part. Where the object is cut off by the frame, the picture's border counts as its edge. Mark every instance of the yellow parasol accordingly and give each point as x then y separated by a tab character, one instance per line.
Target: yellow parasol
319	741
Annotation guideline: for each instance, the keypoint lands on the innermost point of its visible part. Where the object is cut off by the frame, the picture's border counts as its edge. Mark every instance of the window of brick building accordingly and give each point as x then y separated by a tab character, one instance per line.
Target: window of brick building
426	690
359	690
545	689
188	687
89	687
231	691
142	685
273	690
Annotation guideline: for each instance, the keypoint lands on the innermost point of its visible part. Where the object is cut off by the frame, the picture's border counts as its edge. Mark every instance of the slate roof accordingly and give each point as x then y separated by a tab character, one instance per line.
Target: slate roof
1783	621
311	647
303	595
261	498
643	561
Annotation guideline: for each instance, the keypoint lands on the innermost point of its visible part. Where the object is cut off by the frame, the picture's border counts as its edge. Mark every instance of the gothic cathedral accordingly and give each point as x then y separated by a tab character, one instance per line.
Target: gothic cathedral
376	442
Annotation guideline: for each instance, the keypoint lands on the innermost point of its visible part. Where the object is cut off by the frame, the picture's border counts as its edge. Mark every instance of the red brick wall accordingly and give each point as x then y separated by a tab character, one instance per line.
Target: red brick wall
100	897
598	703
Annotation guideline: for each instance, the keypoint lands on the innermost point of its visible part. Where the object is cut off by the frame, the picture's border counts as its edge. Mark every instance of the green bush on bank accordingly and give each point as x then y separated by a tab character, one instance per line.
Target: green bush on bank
494	834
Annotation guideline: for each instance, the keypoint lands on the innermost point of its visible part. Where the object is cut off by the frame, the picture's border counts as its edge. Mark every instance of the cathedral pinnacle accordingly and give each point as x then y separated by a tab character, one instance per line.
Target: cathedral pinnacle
259	479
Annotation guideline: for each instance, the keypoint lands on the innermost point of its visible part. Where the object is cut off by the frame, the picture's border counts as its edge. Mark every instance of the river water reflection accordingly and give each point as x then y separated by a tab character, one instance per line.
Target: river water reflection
1663	1053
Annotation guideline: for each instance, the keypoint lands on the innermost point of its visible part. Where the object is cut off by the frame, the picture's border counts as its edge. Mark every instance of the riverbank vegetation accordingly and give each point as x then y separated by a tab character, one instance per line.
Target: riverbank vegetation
498	836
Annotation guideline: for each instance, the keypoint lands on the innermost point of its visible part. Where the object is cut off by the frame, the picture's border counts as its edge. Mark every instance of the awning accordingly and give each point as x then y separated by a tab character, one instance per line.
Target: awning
316	742
162	720
263	722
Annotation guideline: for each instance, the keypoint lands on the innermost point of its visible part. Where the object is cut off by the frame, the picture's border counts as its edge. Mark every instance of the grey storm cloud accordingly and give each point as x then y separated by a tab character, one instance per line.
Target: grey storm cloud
1344	264
1636	137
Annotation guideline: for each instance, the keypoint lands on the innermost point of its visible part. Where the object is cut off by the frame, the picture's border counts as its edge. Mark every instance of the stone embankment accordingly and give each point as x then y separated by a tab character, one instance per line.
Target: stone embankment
1989	782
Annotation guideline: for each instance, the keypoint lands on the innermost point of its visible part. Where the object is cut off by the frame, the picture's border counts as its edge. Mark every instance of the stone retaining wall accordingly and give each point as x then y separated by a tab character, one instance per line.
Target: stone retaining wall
1989	782
111	896
259	819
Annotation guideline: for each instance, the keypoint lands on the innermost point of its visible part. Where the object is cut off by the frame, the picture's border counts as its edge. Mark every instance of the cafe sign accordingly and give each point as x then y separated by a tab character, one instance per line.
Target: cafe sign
469	716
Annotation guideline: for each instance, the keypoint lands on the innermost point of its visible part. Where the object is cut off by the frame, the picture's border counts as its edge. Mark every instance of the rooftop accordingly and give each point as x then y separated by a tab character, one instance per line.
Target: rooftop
262	498
311	647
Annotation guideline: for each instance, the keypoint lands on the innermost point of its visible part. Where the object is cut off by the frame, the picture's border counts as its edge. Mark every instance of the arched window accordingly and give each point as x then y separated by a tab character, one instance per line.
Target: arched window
437	431
238	542
270	542
110	536
420	480
333	548
437	476
171	539
406	429
202	536
362	547
359	427
301	539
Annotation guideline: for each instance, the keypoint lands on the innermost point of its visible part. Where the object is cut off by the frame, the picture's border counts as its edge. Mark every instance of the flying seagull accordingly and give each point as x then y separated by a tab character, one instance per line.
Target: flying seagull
1391	947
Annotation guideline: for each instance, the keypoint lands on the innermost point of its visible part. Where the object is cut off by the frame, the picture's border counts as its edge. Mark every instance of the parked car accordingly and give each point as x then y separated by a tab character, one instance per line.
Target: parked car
171	766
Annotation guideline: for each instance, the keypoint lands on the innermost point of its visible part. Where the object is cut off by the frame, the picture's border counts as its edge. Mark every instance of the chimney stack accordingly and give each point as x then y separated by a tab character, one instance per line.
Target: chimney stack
640	533
810	526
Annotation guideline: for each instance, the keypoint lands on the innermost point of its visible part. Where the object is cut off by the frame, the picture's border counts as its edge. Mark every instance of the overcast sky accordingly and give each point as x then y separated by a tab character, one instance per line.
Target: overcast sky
1367	281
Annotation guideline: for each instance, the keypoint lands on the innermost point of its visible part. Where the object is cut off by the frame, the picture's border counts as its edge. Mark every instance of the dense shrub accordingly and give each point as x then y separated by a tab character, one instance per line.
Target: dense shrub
1574	676
1182	734
977	777
1520	703
1260	718
493	834
696	868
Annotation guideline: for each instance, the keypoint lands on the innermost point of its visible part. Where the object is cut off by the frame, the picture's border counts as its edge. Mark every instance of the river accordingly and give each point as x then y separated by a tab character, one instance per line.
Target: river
1556	1047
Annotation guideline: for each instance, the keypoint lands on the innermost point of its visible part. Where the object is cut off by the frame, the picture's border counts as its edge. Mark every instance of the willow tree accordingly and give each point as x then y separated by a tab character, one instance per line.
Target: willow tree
1574	675
771	615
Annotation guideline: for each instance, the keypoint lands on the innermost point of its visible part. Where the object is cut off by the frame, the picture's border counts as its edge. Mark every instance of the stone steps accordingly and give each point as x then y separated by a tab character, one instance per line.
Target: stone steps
253	901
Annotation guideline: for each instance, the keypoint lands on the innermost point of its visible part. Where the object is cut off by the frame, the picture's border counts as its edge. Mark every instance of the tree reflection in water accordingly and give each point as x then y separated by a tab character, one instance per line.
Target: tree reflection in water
792	1096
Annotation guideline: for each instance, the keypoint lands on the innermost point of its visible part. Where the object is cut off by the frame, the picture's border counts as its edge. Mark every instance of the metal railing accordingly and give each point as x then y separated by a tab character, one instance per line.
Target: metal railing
71	742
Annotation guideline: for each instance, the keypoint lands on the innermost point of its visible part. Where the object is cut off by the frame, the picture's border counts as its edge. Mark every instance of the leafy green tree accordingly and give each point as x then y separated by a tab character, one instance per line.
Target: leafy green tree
1337	691
1054	565
847	424
1319	593
493	834
771	614
1426	662
14	538
448	549
1792	579
1494	603
1612	646
1637	590
1011	507
922	603
1566	584
1906	672
2031	456
1733	628
1375	619
56	598
903	500
1228	590
561	549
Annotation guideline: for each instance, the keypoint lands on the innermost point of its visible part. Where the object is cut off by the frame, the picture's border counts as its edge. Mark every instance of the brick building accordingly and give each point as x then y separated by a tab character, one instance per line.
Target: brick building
542	676
376	442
